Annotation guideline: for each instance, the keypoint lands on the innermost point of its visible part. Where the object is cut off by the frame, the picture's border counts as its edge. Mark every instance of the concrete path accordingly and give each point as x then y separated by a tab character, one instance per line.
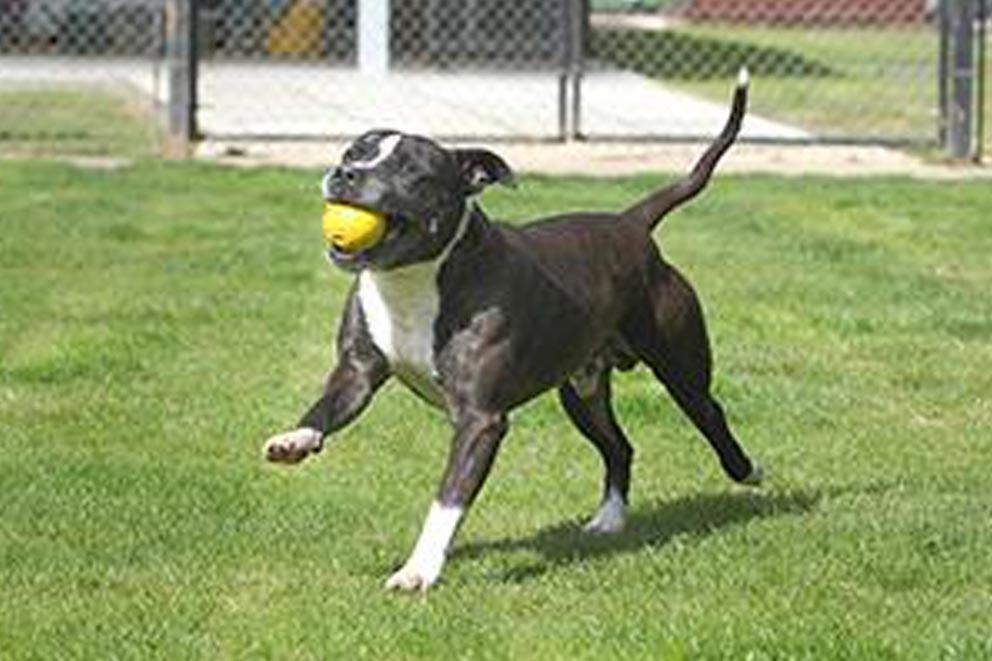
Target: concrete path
300	100
140	75
294	100
622	104
619	159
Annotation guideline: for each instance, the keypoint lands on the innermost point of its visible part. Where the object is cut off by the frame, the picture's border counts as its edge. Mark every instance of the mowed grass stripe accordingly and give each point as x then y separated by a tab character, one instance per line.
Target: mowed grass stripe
158	322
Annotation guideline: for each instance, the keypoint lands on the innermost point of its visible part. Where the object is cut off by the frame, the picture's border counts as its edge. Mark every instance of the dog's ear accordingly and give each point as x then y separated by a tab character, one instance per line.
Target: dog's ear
480	167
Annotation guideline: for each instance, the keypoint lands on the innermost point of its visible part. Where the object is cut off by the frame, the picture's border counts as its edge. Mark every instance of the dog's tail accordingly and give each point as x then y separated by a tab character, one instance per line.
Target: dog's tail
653	208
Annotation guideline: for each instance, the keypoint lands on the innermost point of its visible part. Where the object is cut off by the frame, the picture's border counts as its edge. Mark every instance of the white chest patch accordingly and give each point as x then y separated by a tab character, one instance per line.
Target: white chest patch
400	307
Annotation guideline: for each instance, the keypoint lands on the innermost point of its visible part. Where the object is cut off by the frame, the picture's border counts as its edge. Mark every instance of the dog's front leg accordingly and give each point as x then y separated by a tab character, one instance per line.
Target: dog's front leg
349	389
477	437
361	369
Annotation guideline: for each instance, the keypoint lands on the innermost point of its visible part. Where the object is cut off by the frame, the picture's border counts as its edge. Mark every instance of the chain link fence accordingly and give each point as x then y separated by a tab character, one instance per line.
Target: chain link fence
80	77
302	68
824	70
877	71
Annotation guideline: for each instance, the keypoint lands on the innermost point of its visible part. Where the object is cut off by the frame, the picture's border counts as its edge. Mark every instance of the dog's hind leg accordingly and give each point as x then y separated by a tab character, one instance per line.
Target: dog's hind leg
670	337
708	416
586	399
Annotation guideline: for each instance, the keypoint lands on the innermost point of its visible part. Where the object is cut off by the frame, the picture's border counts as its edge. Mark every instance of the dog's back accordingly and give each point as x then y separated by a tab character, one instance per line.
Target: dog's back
598	260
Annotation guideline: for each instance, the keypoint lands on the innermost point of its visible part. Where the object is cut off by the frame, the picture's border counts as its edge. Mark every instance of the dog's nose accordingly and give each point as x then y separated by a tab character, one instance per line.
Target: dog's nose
337	179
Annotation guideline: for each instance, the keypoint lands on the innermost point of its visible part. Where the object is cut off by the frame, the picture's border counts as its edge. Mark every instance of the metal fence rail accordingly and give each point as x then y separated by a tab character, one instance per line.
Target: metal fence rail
877	71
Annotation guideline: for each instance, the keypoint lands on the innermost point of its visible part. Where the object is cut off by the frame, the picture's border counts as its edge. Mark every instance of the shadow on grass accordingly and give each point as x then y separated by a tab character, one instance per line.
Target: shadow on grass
676	55
692	517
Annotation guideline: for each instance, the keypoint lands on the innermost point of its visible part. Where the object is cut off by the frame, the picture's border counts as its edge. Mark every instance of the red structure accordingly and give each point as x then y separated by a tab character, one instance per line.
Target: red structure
808	11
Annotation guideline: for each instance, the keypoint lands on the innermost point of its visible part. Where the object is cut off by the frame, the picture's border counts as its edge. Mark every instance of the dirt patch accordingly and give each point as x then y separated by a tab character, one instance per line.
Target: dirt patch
613	159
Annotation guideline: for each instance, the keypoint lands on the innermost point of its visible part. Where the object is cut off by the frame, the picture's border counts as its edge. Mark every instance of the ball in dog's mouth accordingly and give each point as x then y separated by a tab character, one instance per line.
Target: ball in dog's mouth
351	229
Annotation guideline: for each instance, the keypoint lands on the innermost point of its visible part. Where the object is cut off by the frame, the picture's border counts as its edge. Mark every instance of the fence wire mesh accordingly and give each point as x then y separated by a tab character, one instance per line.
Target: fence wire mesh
823	70
80	77
450	67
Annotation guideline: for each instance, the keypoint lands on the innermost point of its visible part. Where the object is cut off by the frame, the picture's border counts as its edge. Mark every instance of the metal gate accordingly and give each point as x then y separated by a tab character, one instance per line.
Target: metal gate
838	71
299	69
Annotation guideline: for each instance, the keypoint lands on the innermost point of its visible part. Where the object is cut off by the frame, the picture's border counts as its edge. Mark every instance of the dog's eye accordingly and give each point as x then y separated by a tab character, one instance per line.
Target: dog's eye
409	168
422	185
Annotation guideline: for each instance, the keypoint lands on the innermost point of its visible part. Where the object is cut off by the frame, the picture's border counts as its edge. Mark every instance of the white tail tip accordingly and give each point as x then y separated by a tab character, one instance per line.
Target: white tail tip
743	77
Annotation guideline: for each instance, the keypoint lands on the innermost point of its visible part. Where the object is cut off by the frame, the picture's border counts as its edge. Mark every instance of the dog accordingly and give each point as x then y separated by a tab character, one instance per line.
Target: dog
478	317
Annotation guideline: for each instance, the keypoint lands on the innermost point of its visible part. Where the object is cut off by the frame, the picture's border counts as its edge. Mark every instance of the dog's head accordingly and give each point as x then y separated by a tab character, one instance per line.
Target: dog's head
421	188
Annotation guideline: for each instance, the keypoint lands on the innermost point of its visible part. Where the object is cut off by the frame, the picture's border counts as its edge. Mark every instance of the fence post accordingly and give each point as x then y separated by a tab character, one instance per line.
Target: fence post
373	37
579	15
960	111
943	60
565	66
983	19
181	72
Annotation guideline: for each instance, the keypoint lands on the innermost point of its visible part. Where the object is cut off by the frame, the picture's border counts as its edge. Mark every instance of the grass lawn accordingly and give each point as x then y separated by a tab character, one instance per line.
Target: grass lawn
74	121
835	82
881	82
158	322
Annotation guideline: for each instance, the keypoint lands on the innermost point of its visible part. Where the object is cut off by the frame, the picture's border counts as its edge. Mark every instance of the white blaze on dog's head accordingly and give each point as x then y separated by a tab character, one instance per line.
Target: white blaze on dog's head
384	149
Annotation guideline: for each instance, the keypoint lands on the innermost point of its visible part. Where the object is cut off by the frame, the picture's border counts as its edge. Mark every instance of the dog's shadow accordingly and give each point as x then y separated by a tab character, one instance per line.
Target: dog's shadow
654	525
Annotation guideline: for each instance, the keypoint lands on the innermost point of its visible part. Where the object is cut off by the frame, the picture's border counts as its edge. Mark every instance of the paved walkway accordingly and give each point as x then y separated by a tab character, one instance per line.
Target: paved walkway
139	75
309	100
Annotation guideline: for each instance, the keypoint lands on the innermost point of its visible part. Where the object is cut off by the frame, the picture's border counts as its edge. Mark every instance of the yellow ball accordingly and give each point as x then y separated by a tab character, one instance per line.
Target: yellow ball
351	229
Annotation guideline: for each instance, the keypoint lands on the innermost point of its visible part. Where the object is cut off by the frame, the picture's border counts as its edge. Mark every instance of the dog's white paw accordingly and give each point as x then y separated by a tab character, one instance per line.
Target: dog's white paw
294	446
610	518
423	567
414	576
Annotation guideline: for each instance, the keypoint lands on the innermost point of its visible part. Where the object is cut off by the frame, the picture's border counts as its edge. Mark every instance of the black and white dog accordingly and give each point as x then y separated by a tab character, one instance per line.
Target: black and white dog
478	317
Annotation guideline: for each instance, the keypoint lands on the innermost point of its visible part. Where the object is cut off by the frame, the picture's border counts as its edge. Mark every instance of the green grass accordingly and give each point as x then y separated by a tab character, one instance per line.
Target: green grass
836	82
74	122
158	322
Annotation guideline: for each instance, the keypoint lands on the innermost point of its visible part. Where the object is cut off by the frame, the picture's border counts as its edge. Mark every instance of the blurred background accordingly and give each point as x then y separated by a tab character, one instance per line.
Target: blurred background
130	76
